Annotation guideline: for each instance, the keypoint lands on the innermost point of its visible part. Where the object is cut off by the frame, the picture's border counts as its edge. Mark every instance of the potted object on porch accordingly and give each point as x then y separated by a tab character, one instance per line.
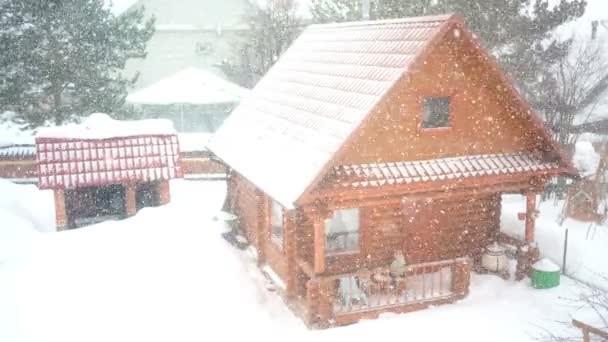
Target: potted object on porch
545	274
495	258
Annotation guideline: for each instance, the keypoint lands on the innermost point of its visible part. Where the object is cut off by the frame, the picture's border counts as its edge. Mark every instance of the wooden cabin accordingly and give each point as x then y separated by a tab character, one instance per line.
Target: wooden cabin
105	169
368	165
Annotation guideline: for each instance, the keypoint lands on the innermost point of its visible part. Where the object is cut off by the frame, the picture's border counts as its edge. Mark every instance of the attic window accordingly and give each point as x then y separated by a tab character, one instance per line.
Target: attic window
436	112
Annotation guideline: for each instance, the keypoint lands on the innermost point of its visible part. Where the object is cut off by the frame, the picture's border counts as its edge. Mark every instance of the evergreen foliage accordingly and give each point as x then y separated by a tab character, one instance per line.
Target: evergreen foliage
62	59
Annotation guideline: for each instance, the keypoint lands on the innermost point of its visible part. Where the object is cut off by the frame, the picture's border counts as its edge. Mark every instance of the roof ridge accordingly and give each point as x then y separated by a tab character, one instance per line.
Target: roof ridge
419	19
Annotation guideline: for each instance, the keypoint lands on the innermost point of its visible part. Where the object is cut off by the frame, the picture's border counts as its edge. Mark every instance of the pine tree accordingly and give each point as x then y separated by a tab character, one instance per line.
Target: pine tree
517	32
62	59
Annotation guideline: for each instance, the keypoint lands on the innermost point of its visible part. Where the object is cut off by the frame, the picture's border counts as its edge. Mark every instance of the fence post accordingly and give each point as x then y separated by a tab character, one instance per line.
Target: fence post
461	277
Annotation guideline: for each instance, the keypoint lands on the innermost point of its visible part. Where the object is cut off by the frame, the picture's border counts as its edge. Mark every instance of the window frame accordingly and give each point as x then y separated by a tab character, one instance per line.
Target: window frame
450	119
277	240
357	250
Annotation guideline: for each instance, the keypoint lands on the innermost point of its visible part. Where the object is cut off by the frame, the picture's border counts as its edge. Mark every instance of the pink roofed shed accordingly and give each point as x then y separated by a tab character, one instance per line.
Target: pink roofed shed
104	169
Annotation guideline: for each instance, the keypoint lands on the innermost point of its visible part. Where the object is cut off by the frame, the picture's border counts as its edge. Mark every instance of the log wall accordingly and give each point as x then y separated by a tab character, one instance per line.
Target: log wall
440	229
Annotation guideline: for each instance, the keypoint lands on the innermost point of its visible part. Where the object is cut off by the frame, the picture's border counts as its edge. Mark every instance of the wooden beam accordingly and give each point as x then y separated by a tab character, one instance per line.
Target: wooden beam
423	190
263	225
130	199
290	237
383	196
530	215
319	244
61	216
588	329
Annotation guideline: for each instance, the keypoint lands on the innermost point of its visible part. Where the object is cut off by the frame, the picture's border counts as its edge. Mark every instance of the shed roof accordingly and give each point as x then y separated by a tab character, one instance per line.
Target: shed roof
102	151
283	137
74	163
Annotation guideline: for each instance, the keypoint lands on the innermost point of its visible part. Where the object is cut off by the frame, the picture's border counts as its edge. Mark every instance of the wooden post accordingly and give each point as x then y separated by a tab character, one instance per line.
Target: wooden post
130	199
263	229
290	252
61	216
530	215
319	244
461	277
164	192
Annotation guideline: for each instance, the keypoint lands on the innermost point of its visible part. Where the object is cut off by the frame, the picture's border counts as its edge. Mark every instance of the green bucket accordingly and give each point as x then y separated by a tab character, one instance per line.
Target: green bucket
544	276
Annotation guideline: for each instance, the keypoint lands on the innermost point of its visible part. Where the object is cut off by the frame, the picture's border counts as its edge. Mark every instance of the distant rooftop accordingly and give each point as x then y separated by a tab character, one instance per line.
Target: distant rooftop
190	86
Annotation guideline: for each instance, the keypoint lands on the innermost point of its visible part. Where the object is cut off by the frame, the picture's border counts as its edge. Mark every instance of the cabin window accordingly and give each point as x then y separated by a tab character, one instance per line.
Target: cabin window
436	112
342	231
276	221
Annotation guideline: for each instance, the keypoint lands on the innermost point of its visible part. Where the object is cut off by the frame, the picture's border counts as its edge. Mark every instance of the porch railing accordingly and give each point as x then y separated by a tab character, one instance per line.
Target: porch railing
377	291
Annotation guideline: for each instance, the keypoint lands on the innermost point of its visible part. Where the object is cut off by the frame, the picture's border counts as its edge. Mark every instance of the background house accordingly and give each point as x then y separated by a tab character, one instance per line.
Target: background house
194	33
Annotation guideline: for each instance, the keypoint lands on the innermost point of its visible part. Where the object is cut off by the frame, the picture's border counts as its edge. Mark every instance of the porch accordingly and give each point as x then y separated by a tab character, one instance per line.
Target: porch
345	275
346	298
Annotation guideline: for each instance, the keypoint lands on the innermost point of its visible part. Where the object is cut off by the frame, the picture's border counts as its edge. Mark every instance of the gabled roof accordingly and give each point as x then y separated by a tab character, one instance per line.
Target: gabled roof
283	137
314	97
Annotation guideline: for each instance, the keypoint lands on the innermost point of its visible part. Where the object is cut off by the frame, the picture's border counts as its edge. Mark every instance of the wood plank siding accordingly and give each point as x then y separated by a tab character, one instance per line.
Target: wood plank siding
441	229
484	117
253	209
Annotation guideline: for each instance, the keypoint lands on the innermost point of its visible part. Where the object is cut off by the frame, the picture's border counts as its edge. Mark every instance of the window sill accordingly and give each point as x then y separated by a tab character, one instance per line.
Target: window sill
340	254
435	130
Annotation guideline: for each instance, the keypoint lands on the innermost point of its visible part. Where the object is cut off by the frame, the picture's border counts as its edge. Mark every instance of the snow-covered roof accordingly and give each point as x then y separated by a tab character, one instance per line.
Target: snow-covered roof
102	151
94	162
101	126
440	169
190	86
314	97
12	152
283	137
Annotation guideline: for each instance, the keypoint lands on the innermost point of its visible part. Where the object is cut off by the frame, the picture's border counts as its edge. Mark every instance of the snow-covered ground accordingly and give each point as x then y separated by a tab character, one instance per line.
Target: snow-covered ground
167	275
587	252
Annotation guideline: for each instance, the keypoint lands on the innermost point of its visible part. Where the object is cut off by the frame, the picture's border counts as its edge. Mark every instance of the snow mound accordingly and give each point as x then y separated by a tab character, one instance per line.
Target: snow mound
545	265
585	159
16	235
24	211
28	203
102	126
